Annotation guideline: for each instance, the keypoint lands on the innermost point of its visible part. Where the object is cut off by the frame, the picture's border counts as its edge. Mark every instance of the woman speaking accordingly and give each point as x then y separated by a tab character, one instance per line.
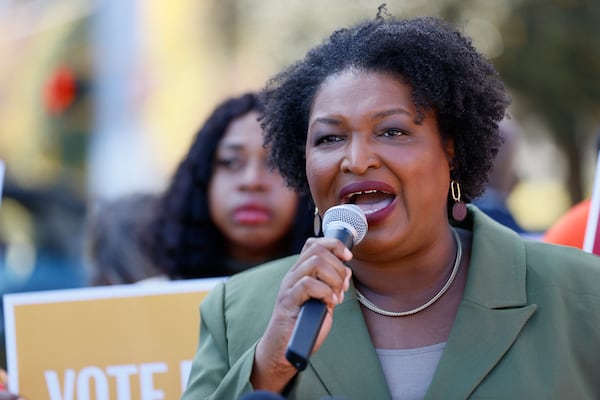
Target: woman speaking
438	301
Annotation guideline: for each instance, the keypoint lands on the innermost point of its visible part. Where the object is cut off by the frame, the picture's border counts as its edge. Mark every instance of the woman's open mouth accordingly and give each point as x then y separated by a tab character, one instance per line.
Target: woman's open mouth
369	201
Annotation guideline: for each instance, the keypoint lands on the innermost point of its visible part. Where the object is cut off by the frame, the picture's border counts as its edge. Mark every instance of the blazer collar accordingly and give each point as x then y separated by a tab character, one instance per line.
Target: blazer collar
497	269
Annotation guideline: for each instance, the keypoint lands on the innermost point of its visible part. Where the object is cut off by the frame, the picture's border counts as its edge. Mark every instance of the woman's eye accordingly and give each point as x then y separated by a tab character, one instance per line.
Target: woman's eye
393	133
231	164
327	139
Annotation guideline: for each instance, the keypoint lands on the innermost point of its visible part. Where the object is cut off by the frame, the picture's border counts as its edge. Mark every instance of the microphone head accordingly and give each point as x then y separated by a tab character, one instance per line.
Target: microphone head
349	216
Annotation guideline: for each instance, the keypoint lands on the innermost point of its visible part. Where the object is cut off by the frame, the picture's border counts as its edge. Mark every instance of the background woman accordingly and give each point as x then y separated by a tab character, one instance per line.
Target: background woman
225	209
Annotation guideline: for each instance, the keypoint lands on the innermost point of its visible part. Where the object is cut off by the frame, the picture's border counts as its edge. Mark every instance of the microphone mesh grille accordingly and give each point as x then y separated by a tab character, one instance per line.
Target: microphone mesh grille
350	214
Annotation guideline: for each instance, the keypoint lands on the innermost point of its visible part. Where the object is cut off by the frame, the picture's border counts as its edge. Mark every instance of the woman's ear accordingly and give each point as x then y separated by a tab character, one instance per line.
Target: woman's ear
448	144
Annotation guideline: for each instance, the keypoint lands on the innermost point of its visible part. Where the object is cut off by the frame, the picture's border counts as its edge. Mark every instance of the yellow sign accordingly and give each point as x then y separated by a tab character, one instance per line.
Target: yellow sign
102	343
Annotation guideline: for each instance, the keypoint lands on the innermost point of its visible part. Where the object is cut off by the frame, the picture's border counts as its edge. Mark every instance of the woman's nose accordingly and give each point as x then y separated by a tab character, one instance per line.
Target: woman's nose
359	156
255	176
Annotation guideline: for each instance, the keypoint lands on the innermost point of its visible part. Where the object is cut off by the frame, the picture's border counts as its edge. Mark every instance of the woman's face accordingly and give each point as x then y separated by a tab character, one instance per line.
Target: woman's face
364	147
249	202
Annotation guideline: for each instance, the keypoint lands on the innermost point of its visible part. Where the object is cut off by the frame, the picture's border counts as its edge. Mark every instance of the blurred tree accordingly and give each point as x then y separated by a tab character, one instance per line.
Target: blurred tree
552	59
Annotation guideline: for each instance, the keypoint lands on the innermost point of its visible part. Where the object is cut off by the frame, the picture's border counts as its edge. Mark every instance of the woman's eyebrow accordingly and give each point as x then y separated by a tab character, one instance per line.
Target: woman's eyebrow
386	113
326	120
232	146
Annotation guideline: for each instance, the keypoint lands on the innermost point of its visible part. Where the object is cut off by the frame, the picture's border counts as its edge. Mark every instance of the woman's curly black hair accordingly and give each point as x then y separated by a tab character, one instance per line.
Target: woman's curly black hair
445	71
182	238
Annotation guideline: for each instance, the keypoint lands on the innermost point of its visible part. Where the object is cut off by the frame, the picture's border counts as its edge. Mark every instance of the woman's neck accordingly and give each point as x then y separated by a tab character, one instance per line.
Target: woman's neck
254	256
407	278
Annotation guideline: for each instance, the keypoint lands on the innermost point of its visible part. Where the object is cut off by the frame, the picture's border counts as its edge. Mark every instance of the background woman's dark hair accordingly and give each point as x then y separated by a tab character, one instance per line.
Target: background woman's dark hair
114	249
183	238
445	72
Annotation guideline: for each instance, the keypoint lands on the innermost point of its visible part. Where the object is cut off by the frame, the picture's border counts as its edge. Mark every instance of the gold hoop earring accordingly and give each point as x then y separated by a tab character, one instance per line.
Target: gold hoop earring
317	223
459	208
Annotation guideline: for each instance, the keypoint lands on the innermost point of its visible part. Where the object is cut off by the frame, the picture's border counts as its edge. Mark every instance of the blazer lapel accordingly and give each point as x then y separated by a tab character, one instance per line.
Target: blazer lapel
493	311
347	363
477	343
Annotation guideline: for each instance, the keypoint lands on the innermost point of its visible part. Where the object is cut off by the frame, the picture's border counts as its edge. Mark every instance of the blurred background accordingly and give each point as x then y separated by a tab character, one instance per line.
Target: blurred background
99	99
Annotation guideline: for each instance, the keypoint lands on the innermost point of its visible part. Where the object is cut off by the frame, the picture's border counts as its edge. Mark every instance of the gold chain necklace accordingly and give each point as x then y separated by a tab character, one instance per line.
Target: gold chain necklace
367	303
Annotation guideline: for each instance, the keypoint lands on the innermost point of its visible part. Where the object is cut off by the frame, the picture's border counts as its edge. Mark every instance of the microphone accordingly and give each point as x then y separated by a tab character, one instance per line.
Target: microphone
347	223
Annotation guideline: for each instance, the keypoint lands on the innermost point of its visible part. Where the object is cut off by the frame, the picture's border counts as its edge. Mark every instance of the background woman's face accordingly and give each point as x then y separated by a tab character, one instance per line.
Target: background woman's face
249	202
364	147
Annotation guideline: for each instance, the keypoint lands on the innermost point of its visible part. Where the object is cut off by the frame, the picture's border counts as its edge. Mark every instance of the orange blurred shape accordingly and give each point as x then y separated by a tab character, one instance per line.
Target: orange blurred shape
60	90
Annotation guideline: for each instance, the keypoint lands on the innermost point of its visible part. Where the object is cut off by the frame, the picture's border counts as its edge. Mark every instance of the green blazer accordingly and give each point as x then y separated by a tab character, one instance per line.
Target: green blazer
528	327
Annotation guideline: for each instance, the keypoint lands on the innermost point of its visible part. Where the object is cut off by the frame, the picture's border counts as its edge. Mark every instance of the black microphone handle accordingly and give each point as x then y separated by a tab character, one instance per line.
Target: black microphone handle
311	316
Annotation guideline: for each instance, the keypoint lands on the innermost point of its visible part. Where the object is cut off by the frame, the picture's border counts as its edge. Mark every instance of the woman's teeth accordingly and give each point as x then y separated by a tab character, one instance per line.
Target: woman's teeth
370	201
